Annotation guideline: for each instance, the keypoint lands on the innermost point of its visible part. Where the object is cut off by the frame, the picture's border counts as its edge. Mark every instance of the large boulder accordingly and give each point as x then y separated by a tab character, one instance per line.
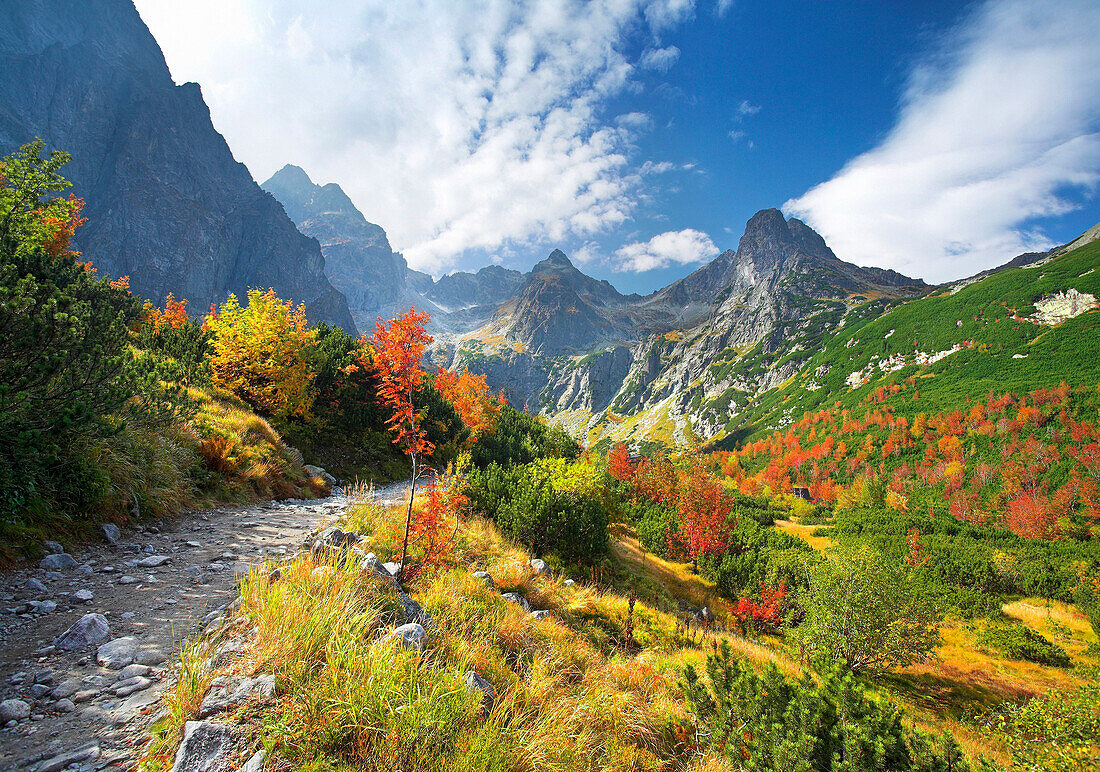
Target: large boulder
227	692
321	474
540	567
332	539
58	561
117	654
13	710
206	747
89	630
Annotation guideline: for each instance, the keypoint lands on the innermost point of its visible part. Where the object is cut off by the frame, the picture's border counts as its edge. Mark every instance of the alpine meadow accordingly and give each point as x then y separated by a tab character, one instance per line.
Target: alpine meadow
562	469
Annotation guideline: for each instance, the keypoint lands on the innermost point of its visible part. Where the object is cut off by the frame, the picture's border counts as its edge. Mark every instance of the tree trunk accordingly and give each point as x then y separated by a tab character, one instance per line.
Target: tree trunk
408	522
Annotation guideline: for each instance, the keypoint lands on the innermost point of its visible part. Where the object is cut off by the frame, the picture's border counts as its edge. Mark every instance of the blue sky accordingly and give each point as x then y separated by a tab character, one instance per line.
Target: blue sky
937	138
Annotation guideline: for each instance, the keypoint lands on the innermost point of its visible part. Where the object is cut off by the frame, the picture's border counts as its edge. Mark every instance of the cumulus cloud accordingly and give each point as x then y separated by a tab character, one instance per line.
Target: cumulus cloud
455	125
996	129
665	249
660	59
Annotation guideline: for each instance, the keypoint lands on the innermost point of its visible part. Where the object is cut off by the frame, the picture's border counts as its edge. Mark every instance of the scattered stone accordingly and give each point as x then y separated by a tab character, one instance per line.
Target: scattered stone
42	606
85	569
131	671
83	596
256	763
393	569
38	691
66	688
485	577
196	574
321	573
193	544
64	706
60	561
131	685
518	599
568	582
540	567
111	533
118	653
230	692
488	694
206	747
332	539
275	575
539	615
127	580
35	586
43	677
411	636
153	561
84	695
370	562
53	547
57	763
89	630
14	710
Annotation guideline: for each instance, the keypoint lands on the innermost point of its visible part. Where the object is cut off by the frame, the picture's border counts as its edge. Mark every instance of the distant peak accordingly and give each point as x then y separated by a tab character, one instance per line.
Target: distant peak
291	175
559	257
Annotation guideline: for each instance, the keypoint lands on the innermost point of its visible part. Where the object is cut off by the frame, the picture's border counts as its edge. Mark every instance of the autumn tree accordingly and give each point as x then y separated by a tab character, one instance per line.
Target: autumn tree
398	353
261	353
470	396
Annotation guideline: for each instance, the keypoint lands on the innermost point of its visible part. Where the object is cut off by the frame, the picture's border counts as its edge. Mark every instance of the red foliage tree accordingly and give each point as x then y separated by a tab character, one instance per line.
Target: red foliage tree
470	396
703	508
619	464
398	352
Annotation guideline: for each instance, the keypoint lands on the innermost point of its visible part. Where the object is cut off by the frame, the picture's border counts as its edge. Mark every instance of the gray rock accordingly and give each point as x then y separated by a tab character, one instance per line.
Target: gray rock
43	677
42	606
89	630
196	574
60	561
66	688
370	562
83	596
332	539
206	747
488	694
38	691
53	547
568	582
317	471
227	693
539	615
14	710
515	597
131	685
57	763
131	671
392	568
64	706
540	567
84	695
255	763
485	577
127	580
111	533
35	586
153	561
118	653
411	636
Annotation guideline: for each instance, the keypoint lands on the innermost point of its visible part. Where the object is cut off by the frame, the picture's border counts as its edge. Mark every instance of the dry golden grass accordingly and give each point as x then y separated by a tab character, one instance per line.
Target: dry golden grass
1057	620
805	532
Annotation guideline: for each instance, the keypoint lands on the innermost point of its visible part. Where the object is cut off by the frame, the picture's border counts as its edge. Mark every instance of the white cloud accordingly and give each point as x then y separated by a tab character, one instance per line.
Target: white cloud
745	109
454	125
992	132
665	249
722	7
660	59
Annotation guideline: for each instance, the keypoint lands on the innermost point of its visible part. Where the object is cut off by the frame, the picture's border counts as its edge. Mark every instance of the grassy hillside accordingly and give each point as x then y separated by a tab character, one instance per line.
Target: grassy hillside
957	343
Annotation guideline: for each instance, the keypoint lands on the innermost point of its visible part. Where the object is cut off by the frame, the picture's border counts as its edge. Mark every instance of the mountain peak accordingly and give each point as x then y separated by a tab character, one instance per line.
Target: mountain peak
557	257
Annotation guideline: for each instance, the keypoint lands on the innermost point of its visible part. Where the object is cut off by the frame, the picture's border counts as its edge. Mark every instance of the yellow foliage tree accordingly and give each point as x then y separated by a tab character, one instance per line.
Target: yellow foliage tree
259	353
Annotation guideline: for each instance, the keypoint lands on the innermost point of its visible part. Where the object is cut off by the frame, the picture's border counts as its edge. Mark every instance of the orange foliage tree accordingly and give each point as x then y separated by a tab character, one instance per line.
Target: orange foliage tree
398	352
260	353
470	396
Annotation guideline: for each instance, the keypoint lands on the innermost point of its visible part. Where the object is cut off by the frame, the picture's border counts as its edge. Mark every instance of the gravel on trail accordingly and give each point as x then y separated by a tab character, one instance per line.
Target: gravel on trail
88	708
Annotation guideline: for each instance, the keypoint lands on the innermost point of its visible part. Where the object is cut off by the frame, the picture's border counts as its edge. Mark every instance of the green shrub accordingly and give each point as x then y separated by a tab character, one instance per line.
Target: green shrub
1018	641
765	722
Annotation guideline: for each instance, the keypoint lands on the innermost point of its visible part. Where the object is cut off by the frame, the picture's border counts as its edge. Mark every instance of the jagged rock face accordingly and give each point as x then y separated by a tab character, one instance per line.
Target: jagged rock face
358	256
166	202
490	286
590	349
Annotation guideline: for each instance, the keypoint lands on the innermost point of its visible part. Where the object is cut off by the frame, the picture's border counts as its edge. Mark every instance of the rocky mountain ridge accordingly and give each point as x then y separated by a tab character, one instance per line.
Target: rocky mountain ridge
166	202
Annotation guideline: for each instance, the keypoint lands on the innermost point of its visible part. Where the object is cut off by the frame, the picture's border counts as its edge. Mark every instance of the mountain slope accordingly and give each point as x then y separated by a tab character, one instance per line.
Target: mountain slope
166	202
358	258
1016	329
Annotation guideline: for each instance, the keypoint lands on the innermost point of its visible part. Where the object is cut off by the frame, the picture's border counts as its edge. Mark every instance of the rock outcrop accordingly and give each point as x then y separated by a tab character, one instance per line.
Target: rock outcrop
166	202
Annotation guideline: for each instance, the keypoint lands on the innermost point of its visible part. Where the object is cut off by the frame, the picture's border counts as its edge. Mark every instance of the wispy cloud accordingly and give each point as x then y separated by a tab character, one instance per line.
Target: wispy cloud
745	109
995	129
660	59
665	249
456	125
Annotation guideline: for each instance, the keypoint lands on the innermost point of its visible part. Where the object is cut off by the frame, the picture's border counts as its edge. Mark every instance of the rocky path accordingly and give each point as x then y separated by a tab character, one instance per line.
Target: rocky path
83	710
